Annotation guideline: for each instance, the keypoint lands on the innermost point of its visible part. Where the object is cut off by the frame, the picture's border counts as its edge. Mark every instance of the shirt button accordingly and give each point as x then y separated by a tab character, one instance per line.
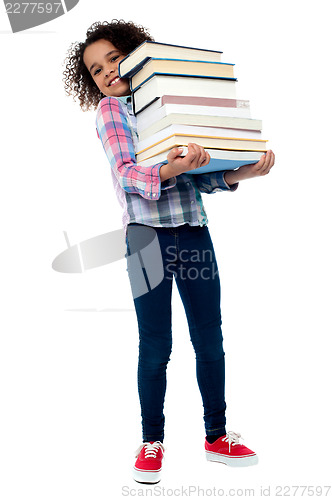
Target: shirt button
153	194
188	183
192	201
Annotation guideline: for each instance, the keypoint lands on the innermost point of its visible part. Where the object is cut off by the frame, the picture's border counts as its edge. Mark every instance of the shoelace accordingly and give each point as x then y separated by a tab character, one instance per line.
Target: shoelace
232	438
150	449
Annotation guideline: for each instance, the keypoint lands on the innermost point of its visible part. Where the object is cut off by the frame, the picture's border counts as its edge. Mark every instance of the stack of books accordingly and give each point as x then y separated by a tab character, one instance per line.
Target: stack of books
185	95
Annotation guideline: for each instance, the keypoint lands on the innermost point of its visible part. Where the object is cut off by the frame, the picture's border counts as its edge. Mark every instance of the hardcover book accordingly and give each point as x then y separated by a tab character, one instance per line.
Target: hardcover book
181	67
133	62
196	131
160	85
225	122
177	140
220	160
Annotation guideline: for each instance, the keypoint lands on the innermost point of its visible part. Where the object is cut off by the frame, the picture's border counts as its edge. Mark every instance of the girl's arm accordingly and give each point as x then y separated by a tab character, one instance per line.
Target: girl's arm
228	180
195	158
213	182
115	134
263	167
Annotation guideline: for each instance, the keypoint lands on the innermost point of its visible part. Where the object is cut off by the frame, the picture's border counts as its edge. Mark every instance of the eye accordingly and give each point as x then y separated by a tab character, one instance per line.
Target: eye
96	72
114	58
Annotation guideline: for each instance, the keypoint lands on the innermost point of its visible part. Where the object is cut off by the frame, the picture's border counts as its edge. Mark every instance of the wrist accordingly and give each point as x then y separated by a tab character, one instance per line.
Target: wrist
166	172
235	176
231	177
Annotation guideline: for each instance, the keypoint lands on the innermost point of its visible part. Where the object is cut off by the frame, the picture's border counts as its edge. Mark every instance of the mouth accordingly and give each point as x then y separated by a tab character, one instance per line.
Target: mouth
114	81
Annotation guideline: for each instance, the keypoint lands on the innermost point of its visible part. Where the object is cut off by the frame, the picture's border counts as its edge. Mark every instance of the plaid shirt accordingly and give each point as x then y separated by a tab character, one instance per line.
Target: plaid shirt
141	194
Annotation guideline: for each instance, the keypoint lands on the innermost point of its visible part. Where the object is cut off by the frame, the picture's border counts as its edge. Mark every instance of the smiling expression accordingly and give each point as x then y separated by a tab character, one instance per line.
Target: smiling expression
102	60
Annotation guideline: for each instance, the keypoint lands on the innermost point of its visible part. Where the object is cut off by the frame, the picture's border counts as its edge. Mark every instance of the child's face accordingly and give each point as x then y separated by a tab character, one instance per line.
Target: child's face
102	59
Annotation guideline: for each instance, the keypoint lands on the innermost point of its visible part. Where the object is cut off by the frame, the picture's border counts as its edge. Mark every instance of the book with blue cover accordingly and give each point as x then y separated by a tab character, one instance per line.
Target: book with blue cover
181	67
220	160
134	61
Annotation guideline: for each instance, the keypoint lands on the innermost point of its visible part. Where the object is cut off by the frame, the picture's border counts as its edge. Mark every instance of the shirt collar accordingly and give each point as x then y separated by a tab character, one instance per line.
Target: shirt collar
125	99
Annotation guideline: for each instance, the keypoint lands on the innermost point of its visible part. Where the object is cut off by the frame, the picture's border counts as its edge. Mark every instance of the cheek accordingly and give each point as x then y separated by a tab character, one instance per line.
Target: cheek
99	83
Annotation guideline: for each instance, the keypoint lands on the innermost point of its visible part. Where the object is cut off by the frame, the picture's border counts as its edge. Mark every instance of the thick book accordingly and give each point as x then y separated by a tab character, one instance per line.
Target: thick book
177	140
220	160
225	122
194	130
202	107
133	62
181	67
188	100
160	85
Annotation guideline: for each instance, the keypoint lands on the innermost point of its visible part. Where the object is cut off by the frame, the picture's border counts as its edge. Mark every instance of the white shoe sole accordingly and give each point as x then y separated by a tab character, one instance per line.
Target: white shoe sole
146	476
232	461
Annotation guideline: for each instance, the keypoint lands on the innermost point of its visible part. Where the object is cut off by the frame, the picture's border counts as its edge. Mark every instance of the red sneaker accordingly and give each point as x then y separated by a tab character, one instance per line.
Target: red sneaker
147	468
229	451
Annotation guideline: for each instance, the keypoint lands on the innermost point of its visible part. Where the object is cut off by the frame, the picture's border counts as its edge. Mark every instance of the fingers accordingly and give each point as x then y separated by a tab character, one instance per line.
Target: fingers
269	162
272	160
174	153
197	156
266	162
207	159
191	155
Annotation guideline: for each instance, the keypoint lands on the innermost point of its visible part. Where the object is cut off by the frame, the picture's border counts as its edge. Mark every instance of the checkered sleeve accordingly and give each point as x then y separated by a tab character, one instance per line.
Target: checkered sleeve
213	182
115	134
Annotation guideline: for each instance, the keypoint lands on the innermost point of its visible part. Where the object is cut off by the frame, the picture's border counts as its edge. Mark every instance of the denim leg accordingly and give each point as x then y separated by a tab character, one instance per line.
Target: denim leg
154	318
198	282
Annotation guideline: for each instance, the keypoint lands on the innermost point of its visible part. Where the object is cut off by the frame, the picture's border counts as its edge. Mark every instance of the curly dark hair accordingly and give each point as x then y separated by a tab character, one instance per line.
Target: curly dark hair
125	36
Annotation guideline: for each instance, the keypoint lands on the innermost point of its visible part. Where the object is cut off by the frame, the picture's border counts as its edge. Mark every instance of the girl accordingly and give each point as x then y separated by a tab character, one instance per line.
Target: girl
166	199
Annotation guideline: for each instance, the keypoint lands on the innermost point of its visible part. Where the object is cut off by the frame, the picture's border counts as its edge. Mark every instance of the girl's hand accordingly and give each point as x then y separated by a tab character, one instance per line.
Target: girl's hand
195	158
263	167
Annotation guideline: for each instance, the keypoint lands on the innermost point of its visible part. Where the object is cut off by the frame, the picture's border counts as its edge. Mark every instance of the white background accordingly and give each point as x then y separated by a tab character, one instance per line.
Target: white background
70	417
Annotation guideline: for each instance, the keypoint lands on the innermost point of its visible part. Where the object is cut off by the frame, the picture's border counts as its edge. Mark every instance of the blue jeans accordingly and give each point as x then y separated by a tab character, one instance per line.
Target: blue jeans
188	256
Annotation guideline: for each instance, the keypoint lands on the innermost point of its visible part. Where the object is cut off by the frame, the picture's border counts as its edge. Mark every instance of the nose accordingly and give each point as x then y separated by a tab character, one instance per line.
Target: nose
108	71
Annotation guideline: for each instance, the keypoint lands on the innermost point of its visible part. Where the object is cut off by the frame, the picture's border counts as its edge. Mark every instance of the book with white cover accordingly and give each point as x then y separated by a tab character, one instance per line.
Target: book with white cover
193	130
229	143
225	122
150	115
